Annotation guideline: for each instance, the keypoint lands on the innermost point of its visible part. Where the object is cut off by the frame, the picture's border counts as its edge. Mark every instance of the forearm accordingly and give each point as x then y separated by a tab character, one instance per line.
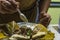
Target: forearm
44	5
43	16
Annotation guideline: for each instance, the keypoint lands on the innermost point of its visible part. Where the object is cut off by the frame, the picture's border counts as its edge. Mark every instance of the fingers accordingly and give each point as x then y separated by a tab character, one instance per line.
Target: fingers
8	6
44	14
3	6
45	18
7	2
45	21
4	1
14	3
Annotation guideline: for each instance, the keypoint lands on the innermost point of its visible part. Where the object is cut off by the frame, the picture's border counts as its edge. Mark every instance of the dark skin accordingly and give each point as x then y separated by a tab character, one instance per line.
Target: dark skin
43	6
45	18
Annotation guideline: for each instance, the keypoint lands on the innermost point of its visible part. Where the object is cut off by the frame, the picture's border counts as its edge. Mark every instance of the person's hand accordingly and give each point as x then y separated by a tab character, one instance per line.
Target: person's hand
8	6
45	18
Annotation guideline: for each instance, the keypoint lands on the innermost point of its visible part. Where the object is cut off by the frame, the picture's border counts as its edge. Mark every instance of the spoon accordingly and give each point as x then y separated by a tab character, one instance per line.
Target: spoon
22	16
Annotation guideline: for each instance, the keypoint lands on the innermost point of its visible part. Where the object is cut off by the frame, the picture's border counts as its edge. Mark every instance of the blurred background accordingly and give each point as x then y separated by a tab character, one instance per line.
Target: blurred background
54	11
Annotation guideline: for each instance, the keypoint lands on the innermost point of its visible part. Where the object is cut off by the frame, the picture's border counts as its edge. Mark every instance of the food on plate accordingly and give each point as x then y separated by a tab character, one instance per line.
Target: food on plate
26	31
